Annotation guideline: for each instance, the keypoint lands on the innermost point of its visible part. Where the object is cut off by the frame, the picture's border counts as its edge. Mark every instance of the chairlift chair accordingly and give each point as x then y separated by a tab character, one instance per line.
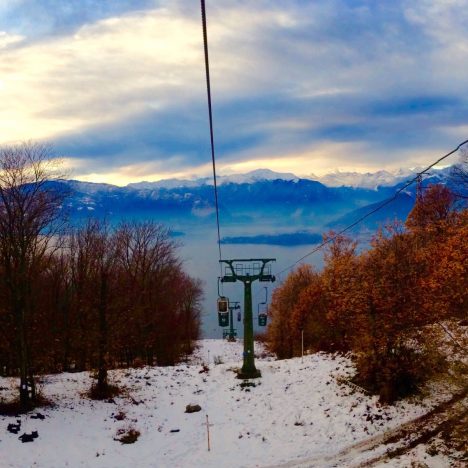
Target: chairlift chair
262	319
262	316
223	311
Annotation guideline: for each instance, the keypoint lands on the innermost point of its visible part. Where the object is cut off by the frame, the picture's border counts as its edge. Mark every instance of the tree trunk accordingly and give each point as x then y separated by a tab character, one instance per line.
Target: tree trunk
103	335
23	390
19	306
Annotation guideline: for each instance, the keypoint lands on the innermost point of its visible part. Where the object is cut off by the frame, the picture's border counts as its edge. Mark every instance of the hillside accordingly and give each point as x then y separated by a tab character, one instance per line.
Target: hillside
297	411
396	210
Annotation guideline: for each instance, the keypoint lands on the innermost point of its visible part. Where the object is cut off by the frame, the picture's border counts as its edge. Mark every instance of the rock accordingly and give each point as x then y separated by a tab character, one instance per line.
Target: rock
204	369
28	437
14	428
192	408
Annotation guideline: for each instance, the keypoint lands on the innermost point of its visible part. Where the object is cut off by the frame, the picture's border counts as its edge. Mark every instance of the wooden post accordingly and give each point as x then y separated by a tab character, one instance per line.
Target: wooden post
208	432
302	345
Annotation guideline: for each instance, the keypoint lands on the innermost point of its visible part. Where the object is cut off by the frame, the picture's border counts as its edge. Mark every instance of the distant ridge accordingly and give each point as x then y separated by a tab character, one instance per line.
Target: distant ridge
263	197
247	178
372	180
368	180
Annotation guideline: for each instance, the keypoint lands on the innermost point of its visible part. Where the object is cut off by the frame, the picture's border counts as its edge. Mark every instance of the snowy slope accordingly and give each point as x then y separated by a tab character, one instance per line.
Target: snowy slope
297	410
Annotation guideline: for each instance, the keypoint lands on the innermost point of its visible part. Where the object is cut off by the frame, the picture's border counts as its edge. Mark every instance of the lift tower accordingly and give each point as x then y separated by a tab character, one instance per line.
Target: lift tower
248	270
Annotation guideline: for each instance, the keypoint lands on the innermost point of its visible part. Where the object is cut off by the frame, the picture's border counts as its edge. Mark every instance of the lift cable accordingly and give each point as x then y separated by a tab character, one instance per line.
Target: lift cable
213	159
210	114
386	202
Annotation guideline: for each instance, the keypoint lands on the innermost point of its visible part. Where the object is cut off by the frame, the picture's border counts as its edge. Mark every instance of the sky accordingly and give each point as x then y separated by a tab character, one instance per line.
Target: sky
117	87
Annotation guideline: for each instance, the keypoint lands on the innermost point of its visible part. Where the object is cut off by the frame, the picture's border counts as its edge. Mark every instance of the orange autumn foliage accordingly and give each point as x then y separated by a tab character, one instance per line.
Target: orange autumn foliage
281	333
376	303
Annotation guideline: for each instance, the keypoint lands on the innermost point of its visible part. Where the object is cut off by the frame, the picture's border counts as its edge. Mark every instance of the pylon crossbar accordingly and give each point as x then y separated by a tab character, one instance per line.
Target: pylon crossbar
247	270
249	260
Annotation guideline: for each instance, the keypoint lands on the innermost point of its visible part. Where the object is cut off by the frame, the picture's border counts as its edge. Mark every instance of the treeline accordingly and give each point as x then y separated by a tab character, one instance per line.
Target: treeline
88	297
115	294
379	303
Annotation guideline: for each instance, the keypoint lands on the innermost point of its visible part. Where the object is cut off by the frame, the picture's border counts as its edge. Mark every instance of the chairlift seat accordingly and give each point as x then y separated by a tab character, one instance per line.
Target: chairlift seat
223	304
223	319
267	278
223	311
228	279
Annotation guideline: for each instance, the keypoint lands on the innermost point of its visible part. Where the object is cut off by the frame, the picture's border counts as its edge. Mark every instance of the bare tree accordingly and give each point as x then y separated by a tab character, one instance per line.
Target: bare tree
146	258
30	215
190	309
94	259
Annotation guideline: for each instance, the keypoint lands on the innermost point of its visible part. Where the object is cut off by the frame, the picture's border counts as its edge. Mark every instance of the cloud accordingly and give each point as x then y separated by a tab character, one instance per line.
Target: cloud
120	86
105	72
52	18
6	40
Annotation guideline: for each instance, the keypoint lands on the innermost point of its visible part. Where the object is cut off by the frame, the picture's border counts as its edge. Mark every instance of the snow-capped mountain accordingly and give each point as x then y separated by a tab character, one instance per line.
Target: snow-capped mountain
248	178
256	176
170	183
367	180
261	197
372	180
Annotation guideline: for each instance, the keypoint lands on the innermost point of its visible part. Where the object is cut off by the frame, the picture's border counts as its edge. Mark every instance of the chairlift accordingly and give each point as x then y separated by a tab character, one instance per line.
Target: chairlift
223	311
262	316
223	304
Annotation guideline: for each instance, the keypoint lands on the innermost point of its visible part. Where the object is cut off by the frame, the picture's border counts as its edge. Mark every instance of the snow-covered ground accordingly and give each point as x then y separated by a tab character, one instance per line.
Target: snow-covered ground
296	410
419	457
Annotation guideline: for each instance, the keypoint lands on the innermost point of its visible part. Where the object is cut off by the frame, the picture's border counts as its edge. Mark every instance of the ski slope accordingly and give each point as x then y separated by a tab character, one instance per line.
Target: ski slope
296	410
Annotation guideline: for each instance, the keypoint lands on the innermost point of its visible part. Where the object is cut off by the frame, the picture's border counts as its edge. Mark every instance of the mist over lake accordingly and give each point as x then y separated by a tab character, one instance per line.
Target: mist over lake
199	250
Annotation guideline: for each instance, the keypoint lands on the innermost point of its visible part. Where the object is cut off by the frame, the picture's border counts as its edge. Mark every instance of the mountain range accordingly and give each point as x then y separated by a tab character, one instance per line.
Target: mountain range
338	178
279	203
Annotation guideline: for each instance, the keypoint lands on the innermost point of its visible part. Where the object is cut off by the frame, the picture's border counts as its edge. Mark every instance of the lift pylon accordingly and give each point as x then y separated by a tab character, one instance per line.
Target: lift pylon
247	271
